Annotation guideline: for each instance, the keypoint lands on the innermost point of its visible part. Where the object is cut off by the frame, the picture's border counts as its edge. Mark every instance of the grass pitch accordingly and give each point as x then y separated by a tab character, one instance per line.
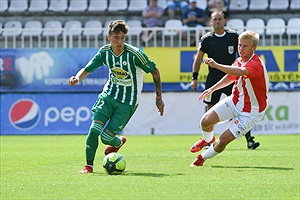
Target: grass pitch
46	167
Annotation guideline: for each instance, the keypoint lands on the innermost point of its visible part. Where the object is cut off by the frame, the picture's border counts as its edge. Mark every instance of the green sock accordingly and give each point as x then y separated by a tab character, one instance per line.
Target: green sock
92	141
110	140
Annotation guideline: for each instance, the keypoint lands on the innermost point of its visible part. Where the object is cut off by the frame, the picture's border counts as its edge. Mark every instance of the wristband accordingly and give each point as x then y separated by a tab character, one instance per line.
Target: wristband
195	76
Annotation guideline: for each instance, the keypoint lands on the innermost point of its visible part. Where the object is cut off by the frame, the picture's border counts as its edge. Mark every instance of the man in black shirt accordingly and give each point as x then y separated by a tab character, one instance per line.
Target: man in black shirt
221	45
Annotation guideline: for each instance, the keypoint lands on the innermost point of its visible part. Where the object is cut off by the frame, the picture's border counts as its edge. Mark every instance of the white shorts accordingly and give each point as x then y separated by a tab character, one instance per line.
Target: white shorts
240	124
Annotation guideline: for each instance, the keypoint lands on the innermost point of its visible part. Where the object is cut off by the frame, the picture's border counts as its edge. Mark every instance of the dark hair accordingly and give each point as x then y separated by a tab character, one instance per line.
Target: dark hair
117	26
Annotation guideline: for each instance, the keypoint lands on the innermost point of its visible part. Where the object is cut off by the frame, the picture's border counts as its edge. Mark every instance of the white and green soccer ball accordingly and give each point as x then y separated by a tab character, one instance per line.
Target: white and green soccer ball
114	163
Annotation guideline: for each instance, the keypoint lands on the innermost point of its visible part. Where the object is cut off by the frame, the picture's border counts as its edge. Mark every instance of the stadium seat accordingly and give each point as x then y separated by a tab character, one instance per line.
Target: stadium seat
172	28
238	5
92	27
92	30
58	5
18	5
32	29
137	5
258	5
52	28
97	5
202	4
135	30
275	26
295	5
236	24
162	3
293	28
38	5
3	5
78	5
117	5
279	4
12	28
73	27
257	25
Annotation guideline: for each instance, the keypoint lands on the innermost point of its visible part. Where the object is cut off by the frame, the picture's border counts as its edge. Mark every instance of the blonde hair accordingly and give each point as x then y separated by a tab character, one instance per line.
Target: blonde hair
250	35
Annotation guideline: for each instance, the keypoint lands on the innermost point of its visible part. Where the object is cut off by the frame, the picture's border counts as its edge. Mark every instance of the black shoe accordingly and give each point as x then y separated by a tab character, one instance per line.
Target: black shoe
252	144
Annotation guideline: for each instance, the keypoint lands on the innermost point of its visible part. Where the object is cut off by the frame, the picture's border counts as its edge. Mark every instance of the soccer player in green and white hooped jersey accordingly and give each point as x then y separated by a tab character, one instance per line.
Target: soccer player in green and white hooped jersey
120	96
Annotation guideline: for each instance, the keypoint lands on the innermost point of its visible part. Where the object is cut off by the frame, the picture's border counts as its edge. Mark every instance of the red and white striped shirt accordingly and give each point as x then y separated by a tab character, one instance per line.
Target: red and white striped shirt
249	93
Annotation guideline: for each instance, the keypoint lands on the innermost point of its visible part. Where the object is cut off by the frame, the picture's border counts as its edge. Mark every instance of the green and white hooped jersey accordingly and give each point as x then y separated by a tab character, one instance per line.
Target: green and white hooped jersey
126	72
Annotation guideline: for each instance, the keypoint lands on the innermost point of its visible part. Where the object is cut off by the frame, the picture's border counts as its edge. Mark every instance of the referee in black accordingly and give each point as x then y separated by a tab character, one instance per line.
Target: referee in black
221	45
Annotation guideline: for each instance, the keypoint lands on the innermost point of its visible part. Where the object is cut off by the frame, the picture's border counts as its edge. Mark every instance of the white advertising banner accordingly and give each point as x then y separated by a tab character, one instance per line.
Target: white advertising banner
183	112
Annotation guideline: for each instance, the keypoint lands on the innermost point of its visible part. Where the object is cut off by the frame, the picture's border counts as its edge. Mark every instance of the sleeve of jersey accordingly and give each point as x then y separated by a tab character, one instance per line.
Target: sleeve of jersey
94	63
144	62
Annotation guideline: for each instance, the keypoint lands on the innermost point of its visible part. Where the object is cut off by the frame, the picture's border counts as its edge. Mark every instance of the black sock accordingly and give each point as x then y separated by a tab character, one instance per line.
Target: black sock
248	136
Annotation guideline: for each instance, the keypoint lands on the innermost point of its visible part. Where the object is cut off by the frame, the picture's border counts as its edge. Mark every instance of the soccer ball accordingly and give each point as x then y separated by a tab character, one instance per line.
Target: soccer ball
114	163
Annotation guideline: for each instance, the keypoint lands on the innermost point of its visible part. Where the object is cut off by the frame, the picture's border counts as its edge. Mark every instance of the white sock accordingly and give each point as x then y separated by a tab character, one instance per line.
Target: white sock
90	166
208	136
209	153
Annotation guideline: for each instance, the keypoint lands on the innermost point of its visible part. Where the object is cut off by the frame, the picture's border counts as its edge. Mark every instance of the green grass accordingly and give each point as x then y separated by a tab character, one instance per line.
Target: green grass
46	167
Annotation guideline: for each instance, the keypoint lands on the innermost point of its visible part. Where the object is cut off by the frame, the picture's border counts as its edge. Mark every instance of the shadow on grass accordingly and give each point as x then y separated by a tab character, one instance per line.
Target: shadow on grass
252	167
126	173
150	174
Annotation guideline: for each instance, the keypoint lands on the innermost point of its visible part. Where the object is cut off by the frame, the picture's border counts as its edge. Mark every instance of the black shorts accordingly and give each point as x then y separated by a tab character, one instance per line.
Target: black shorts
213	78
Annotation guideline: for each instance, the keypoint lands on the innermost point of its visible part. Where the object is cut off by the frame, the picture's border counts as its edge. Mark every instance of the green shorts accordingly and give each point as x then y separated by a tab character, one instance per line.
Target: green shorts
108	109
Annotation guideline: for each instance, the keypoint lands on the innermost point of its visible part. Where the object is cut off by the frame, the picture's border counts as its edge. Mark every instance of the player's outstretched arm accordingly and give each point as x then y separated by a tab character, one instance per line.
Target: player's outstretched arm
157	82
80	76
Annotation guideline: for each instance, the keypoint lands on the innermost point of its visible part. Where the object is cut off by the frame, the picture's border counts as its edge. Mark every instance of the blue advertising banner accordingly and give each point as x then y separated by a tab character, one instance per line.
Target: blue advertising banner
35	70
46	113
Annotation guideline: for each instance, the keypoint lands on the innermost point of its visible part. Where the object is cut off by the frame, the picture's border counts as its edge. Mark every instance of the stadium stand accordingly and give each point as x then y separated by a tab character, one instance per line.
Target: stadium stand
162	3
92	31
58	5
137	5
12	29
236	24
235	5
257	25
279	4
77	5
173	27
107	10
72	30
117	5
3	5
293	28
18	6
97	5
202	4
52	28
38	5
255	5
135	31
32	29
295	5
275	27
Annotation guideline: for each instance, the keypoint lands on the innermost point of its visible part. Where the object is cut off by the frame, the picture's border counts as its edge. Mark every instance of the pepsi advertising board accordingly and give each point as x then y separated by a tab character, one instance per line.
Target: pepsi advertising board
46	113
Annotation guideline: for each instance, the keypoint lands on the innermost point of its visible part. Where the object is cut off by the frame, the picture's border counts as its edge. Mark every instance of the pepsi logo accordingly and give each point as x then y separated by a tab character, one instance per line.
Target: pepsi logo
24	114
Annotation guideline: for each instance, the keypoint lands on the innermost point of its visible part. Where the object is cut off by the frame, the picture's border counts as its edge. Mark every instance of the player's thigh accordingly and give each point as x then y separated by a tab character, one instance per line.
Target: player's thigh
120	118
224	109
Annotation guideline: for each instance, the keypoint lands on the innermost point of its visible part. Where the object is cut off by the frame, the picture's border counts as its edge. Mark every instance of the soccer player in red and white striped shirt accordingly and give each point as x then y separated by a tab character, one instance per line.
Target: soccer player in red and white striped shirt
245	106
